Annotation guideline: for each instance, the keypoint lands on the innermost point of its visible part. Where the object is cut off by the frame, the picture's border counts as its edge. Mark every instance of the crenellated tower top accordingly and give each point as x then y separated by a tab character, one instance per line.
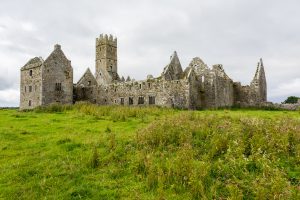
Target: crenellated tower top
106	39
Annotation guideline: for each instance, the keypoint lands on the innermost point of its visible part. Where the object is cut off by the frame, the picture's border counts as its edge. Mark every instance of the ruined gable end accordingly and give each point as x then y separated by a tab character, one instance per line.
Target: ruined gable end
173	71
87	80
259	83
57	78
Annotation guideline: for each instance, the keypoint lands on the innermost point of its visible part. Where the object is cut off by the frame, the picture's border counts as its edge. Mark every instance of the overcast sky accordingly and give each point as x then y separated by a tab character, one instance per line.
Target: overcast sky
235	33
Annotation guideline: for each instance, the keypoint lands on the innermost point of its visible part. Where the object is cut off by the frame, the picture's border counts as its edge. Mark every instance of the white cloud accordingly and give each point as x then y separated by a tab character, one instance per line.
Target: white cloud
233	32
288	88
9	97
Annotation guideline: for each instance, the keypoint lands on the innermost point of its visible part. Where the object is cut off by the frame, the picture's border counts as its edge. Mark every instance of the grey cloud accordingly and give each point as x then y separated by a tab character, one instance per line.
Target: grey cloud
235	33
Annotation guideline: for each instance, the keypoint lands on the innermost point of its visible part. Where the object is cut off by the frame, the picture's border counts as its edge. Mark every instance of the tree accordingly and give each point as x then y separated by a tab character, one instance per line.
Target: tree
291	99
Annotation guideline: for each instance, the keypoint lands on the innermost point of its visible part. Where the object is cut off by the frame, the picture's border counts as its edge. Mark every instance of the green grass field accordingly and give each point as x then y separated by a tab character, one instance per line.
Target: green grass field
90	152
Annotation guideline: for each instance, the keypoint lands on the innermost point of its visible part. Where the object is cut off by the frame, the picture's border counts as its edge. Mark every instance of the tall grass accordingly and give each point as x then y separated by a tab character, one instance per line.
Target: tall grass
211	157
115	113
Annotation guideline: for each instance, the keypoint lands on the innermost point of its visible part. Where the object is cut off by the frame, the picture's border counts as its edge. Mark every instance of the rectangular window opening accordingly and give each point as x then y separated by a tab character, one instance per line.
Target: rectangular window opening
141	100
57	86
151	100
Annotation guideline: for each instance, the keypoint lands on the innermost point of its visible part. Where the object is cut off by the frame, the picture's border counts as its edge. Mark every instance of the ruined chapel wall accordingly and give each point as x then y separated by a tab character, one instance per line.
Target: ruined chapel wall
224	92
166	93
245	96
88	93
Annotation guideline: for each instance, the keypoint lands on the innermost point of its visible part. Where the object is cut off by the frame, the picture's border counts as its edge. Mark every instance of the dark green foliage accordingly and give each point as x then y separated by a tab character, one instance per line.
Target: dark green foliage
63	141
291	99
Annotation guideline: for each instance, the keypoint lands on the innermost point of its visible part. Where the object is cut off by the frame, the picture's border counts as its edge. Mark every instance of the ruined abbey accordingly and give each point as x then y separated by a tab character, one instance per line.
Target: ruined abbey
198	86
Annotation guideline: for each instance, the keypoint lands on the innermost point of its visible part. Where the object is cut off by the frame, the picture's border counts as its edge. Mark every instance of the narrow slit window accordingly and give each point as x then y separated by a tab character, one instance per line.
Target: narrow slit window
130	101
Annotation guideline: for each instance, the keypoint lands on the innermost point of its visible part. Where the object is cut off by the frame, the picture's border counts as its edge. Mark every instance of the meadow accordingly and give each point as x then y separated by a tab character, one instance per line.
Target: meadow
106	152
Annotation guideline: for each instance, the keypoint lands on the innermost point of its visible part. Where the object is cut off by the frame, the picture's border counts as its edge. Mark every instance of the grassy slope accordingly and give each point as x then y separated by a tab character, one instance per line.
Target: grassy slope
113	152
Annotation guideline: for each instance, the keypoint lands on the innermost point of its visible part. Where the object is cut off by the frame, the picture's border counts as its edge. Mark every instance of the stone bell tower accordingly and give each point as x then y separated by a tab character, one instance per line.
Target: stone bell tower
106	59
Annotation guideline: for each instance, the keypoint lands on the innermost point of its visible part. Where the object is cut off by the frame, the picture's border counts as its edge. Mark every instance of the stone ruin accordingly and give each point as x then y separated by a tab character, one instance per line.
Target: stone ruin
198	86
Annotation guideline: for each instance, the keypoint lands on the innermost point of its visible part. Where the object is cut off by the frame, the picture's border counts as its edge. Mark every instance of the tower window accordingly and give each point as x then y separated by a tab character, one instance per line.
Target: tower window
29	103
111	68
30	73
141	100
140	86
149	85
30	88
89	83
57	86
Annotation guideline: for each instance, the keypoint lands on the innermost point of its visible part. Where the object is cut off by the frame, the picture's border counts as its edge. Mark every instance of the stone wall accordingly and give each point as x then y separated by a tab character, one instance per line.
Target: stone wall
245	96
223	88
163	93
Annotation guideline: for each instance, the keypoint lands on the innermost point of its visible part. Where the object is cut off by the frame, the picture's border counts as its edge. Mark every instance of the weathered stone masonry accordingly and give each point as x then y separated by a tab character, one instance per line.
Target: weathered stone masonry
198	86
